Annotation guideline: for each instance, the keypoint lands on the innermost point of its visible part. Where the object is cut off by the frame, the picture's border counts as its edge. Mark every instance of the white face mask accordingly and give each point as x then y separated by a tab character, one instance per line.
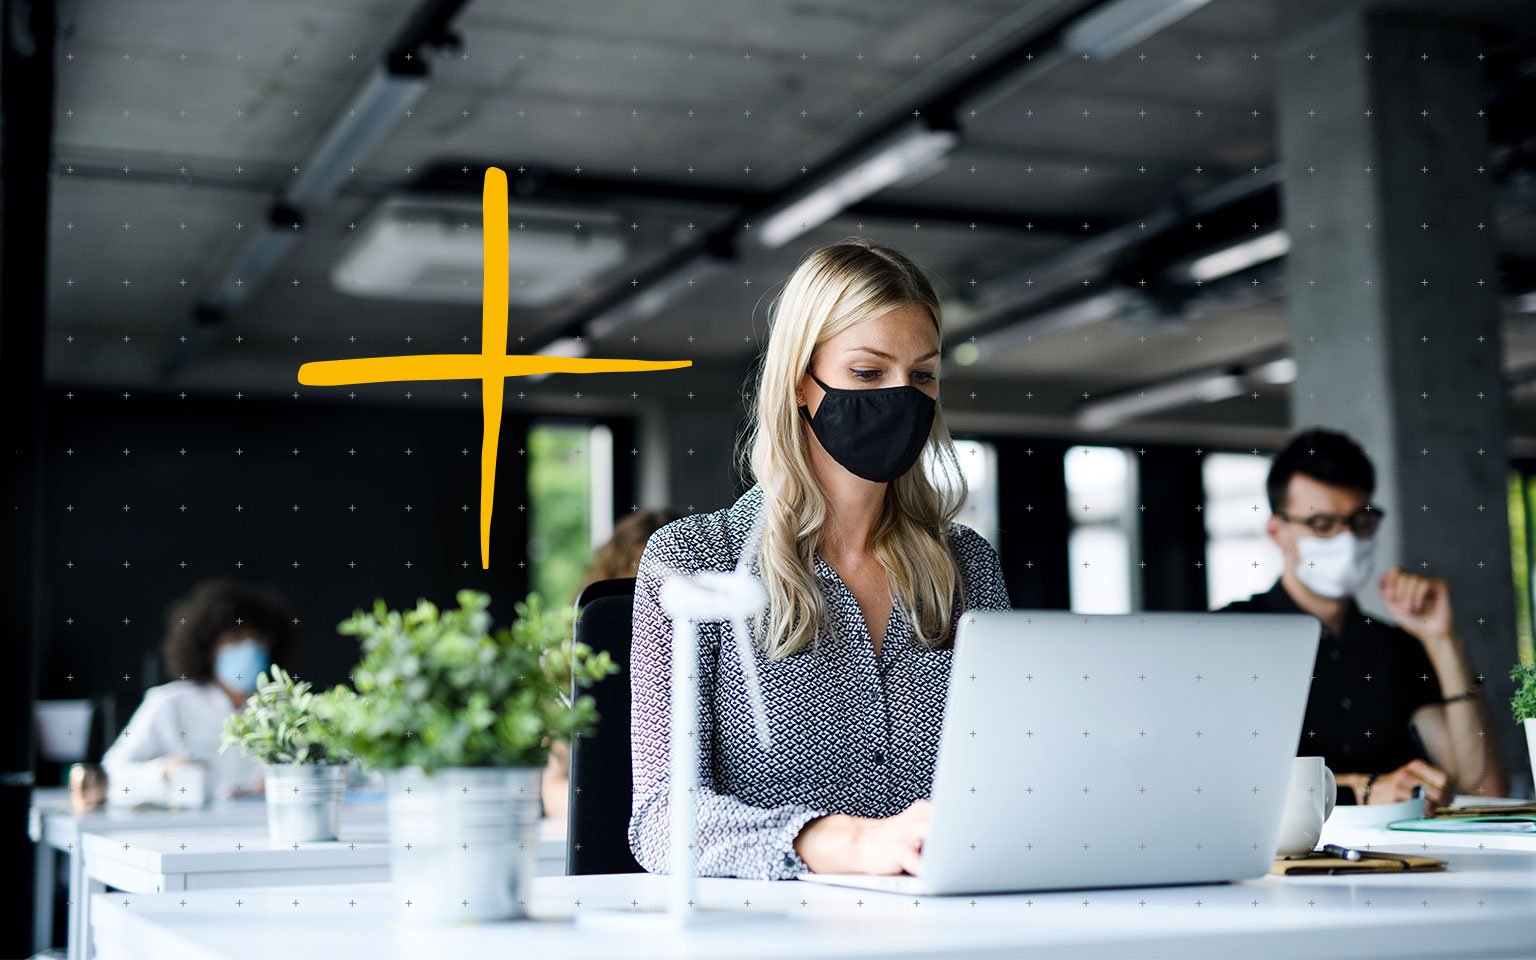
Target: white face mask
1336	566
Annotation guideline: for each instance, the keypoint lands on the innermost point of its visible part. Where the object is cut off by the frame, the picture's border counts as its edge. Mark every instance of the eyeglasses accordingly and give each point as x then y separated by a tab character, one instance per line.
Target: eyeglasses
1362	523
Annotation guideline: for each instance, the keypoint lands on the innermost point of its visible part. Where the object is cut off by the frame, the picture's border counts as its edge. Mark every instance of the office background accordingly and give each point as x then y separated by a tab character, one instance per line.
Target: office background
1166	235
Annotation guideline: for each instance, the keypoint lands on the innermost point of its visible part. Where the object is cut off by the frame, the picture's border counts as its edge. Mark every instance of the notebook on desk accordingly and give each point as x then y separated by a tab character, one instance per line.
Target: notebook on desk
1483	824
1505	816
1086	751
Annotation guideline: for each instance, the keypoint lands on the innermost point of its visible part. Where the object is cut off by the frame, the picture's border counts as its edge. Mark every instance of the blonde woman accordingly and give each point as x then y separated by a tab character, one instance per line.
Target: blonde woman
867	575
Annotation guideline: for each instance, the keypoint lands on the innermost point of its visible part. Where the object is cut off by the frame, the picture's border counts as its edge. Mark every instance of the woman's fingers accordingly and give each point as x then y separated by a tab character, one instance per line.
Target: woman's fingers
1430	775
912	861
1439	786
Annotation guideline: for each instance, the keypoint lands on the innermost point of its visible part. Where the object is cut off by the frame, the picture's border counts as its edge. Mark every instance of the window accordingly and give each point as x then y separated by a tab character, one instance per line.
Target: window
1101	494
1240	559
570	503
1522	518
978	461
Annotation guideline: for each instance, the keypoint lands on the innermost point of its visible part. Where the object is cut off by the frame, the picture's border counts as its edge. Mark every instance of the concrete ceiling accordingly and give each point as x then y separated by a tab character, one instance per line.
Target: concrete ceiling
179	122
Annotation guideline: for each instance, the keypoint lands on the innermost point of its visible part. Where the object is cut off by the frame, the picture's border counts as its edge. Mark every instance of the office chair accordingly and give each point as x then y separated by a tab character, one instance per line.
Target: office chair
597	838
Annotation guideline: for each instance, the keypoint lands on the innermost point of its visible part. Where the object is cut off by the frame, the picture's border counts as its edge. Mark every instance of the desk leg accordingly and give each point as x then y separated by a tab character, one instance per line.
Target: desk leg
46	870
92	886
77	900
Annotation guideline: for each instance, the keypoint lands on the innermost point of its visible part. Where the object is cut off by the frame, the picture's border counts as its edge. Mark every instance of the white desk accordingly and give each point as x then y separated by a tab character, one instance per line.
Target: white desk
1340	830
1412	840
170	859
1484	905
220	846
55	829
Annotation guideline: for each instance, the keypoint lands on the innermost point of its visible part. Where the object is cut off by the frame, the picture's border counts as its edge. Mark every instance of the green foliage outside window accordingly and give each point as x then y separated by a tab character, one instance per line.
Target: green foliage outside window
559	501
1522	506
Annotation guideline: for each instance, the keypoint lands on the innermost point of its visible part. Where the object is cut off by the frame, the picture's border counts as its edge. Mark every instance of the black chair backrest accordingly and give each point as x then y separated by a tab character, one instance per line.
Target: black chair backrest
597	838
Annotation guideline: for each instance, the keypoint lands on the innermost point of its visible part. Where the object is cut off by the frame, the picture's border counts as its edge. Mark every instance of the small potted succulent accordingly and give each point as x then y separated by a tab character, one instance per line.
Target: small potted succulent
460	719
1523	705
304	772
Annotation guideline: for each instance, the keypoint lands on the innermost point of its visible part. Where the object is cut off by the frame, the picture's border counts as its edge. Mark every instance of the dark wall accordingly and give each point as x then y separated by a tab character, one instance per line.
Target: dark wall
1033	521
119	547
1172	528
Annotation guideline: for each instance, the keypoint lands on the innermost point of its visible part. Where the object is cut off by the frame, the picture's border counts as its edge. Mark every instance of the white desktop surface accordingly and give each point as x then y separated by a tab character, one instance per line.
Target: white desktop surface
1341	830
1483	905
223	857
55	828
178	858
140	850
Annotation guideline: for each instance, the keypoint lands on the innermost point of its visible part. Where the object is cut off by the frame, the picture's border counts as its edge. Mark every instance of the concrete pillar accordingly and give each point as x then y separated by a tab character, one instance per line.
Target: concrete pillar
1393	283
654	480
690	454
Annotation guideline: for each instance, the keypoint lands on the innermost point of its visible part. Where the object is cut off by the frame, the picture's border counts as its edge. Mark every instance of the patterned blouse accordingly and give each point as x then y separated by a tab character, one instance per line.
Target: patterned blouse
852	732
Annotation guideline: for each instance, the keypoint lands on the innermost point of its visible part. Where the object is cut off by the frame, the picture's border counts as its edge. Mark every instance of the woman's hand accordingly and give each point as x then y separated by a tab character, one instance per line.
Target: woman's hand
839	843
255	788
1397	785
174	762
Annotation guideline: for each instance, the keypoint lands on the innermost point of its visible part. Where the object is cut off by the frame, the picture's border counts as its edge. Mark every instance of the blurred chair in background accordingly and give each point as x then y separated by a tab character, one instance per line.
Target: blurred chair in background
618	558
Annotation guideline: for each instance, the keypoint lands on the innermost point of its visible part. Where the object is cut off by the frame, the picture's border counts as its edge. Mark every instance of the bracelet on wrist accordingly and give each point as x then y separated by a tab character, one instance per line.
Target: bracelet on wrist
1471	693
1365	795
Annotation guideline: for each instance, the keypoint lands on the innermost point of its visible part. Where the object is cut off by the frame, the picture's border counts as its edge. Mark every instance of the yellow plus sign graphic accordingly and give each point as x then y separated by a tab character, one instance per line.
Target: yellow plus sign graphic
491	366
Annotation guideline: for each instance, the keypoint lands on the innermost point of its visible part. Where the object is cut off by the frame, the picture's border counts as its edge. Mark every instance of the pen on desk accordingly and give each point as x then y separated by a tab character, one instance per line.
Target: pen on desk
1343	853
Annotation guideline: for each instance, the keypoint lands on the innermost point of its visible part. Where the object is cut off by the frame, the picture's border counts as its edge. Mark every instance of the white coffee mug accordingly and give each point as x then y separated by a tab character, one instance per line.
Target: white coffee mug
1309	799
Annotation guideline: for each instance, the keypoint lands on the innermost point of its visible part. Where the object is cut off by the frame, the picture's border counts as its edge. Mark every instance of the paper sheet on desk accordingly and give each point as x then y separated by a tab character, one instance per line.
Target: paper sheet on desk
1485	824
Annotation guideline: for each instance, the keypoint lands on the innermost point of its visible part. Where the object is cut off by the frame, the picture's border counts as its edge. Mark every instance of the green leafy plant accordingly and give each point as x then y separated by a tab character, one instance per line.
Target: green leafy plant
281	723
441	689
1524	702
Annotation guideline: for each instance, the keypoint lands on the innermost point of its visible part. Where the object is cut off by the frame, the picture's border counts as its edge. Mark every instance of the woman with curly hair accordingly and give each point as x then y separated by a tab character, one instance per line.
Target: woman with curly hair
218	639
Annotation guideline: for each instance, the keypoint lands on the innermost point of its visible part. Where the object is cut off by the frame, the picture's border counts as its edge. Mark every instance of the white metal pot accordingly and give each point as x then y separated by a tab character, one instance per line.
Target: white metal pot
1530	742
463	841
304	801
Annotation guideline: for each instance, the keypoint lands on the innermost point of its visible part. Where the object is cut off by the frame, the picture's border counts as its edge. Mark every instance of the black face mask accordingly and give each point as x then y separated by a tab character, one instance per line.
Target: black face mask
877	434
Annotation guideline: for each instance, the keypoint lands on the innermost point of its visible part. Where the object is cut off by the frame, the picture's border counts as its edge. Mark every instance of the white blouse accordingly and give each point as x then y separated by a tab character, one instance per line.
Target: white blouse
853	732
183	716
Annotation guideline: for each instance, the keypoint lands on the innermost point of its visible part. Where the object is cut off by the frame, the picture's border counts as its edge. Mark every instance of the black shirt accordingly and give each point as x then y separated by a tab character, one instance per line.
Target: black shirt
1366	684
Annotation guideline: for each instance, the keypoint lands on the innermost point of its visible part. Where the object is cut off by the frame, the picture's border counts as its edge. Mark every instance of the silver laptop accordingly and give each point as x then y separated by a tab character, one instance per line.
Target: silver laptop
1087	751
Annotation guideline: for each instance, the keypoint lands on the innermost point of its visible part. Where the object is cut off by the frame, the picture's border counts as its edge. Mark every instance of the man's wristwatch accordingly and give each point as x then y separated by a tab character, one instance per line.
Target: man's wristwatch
1365	794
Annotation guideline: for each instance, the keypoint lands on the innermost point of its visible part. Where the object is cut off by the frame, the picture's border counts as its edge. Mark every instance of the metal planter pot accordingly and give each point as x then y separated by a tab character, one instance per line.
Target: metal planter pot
304	801
463	841
1530	741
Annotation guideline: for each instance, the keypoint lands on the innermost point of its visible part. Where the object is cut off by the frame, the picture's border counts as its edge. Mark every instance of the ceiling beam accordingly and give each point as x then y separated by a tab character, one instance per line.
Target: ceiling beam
1036	50
372	112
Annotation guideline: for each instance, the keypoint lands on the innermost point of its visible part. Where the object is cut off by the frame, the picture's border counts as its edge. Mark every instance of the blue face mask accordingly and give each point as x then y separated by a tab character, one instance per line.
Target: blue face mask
237	664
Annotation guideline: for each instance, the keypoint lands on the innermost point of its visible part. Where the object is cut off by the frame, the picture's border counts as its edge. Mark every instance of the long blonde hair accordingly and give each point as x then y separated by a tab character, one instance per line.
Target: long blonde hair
832	289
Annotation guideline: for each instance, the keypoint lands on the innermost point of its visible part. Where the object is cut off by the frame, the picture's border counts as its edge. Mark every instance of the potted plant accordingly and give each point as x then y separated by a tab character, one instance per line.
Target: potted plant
460	719
1524	704
304	773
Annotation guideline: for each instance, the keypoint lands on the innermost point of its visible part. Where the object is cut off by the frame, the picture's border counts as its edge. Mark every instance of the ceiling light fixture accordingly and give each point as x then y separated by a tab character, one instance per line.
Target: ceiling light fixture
1239	256
912	148
1180	392
1115	26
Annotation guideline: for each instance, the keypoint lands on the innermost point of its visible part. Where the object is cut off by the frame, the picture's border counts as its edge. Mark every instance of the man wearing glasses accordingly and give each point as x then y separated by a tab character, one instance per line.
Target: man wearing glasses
1391	707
